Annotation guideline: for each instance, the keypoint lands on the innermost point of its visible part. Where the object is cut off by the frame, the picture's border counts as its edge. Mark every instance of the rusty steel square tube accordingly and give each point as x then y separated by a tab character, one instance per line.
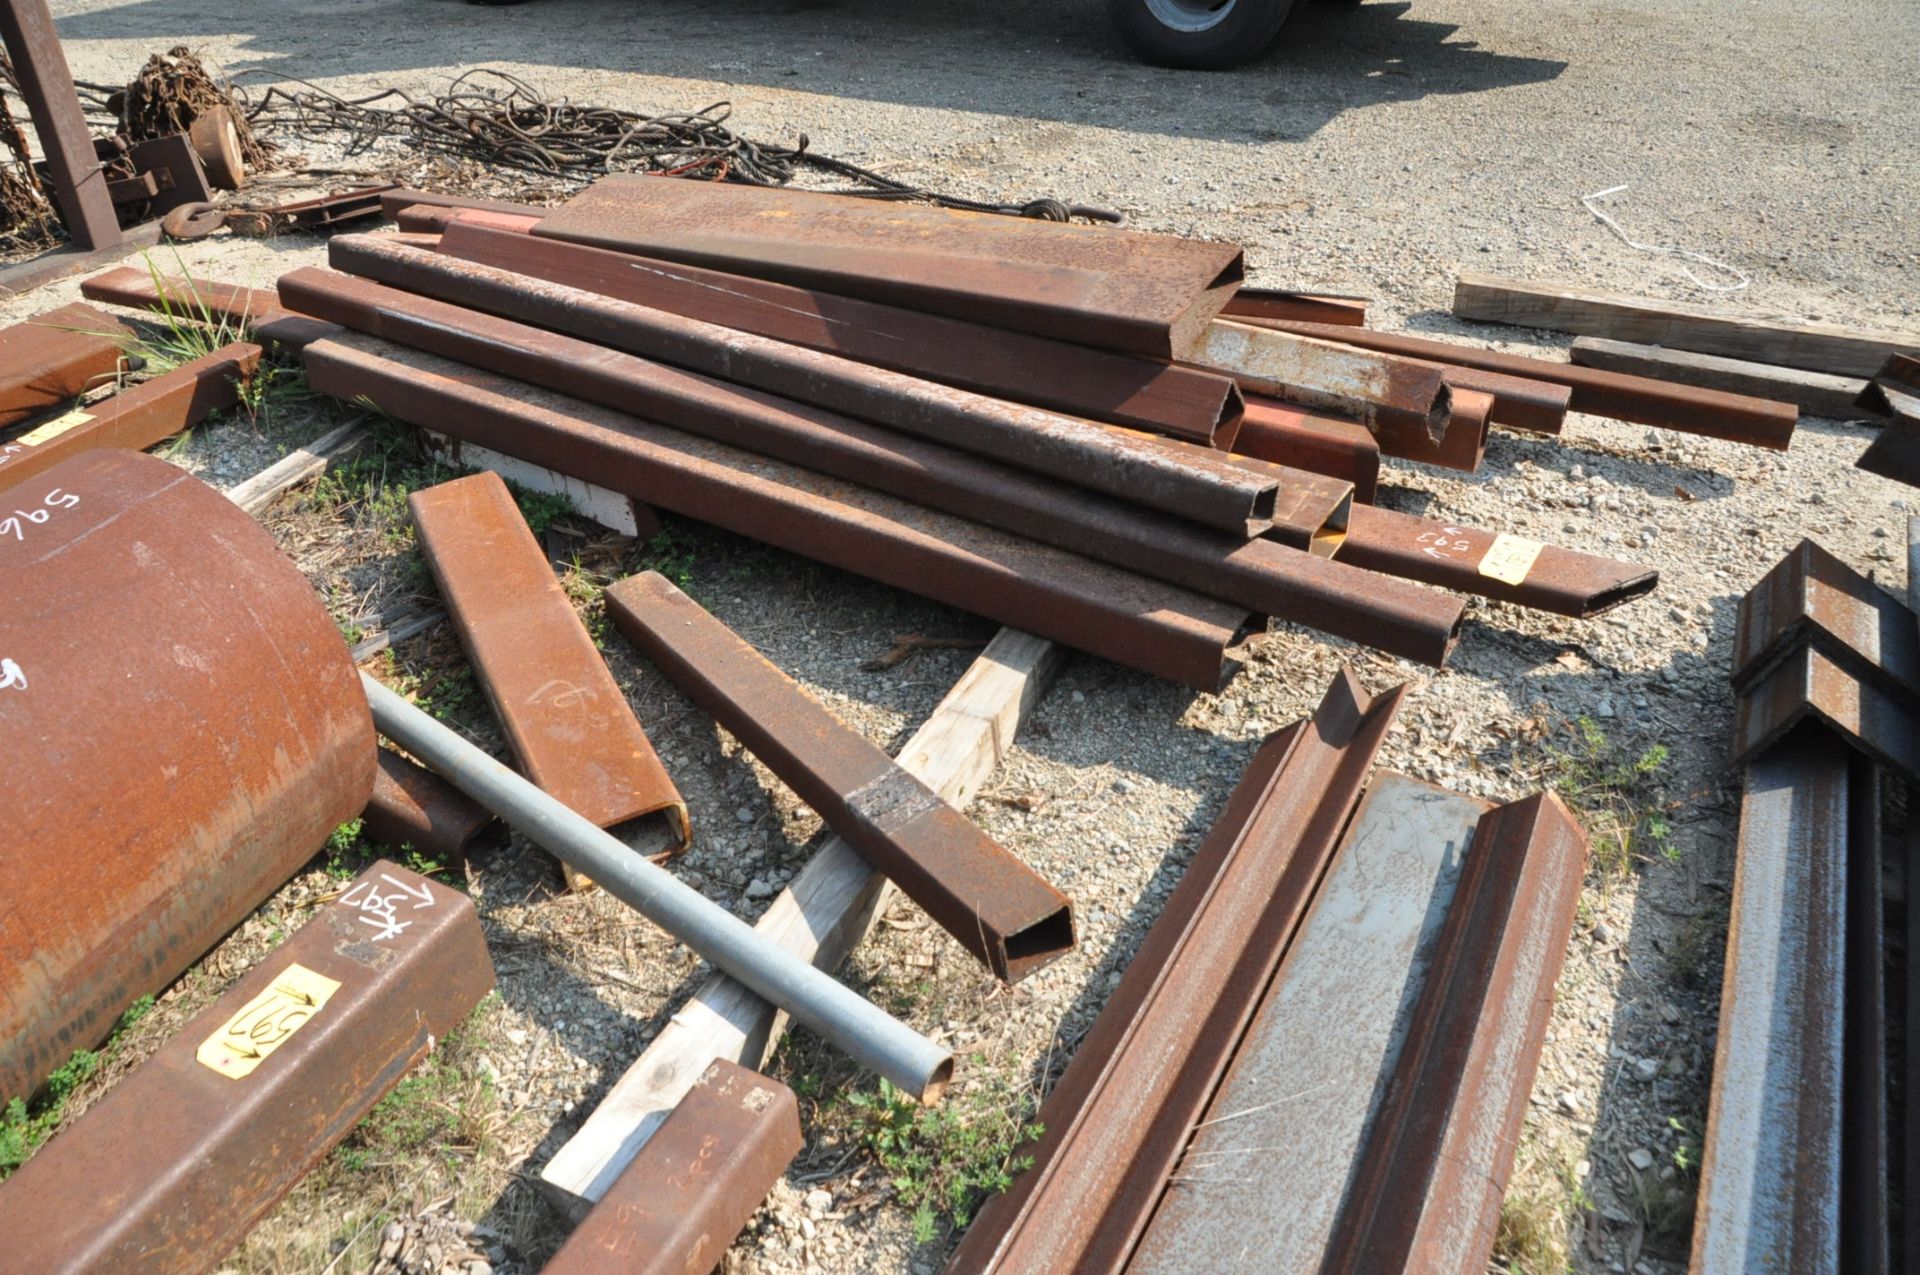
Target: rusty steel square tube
205	301
171	1169
994	906
1293	436
46	361
411	807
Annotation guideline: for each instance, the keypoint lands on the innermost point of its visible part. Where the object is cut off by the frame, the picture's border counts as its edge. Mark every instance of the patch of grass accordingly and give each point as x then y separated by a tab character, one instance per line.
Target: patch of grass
1665	1205
345	855
539	508
373	484
1696	952
1545	1197
446	1109
671	553
25	1123
1620	792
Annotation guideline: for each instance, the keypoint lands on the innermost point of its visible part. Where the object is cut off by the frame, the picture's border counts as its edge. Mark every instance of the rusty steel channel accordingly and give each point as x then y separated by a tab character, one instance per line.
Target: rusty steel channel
132	593
137	417
1770	1172
1807	685
1114	289
1269	304
1391	396
46	361
202	301
1292	436
1079	380
1266	577
1642	400
1187	480
566	720
1812	598
167	1172
1157	628
1497	565
1119	1120
412	806
994	906
676	1209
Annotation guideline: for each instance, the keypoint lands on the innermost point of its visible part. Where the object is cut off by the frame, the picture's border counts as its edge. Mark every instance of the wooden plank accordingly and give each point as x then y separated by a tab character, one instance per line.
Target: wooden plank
1817	347
296	467
821	916
1814	393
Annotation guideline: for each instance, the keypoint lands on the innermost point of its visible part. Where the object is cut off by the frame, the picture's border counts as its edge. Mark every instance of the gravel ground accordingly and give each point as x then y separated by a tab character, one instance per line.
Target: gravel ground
1376	150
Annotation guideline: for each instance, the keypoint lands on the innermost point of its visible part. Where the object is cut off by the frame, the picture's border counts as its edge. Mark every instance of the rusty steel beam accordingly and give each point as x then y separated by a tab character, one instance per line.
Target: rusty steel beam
395	202
413	808
135	418
1770	1173
256	311
993	905
1807	685
1812	598
168	1172
1190	481
1393	397
1463	443
566	720
1119	1120
1115	289
78	179
1162	398
1497	565
1642	400
1539	407
196	728
1266	305
1330	445
50	359
1158	628
698	1180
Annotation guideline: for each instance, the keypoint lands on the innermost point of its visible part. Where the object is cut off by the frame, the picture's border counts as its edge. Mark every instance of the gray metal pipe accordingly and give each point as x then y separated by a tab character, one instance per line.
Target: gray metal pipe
866	1033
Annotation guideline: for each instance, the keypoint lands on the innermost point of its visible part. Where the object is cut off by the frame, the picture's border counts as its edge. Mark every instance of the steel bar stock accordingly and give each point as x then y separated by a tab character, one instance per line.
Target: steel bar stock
1812	598
50	359
394	205
413	807
1393	397
204	301
1190	481
1267	304
1330	445
868	1035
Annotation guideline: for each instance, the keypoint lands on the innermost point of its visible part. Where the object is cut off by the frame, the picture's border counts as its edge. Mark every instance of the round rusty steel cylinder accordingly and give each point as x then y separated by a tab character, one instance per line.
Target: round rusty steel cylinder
181	728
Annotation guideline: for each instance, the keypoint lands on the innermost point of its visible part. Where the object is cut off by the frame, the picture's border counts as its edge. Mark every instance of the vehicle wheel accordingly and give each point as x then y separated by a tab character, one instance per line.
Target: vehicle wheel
1203	35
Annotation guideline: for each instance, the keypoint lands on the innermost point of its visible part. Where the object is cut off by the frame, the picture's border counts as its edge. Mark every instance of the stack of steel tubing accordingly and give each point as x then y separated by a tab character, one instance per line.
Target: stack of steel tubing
1809	1162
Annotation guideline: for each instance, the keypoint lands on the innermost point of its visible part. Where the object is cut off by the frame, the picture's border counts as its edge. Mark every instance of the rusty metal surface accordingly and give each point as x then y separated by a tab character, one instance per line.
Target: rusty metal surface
40	65
1115	289
1863	1112
1387	394
1158	628
1427	1195
1462	444
1118	1122
1898	379
1496	565
329	210
566	720
49	359
1619	395
205	301
1806	685
1267	305
171	173
1292	436
135	418
395	203
1262	575
994	906
1519	402
1198	406
411	807
168	1172
1811	596
1190	481
1770	1173
695	1185
134	594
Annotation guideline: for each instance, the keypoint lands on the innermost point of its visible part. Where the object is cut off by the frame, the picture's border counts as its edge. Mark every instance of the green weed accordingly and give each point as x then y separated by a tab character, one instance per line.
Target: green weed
25	1123
1620	793
944	1161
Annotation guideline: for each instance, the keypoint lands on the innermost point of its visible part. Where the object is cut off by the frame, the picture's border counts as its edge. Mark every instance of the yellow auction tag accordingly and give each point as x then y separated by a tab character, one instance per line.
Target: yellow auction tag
1510	558
54	428
244	1041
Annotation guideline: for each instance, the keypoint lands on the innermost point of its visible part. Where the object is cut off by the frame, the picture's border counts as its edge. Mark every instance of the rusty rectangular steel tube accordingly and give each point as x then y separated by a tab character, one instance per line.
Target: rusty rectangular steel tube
1120	1117
1539	407
168	1172
1154	627
135	418
411	807
1261	575
1470	560
1388	394
1201	407
398	200
79	182
566	720
1462	444
1115	289
1293	436
1190	481
1642	400
49	359
698	1181
994	906
205	301
1268	304
1811	597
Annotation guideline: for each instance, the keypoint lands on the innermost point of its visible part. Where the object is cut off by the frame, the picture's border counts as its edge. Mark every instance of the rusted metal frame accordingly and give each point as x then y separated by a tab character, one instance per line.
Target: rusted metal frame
50	359
1642	400
256	310
994	906
1897	379
1805	685
1201	407
1190	481
168	1171
695	1185
566	720
1270	304
1771	1169
40	64
135	418
1266	577
1114	289
1154	627
1118	1121
1864	1216
1497	565
1427	1195
1389	395
1811	597
413	808
1292	436
133	594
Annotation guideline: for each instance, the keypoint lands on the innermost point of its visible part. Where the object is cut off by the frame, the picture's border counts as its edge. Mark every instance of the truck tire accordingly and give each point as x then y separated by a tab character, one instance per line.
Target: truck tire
1201	35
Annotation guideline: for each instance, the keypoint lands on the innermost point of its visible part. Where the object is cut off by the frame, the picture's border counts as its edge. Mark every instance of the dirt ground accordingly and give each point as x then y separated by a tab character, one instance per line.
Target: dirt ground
1376	150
